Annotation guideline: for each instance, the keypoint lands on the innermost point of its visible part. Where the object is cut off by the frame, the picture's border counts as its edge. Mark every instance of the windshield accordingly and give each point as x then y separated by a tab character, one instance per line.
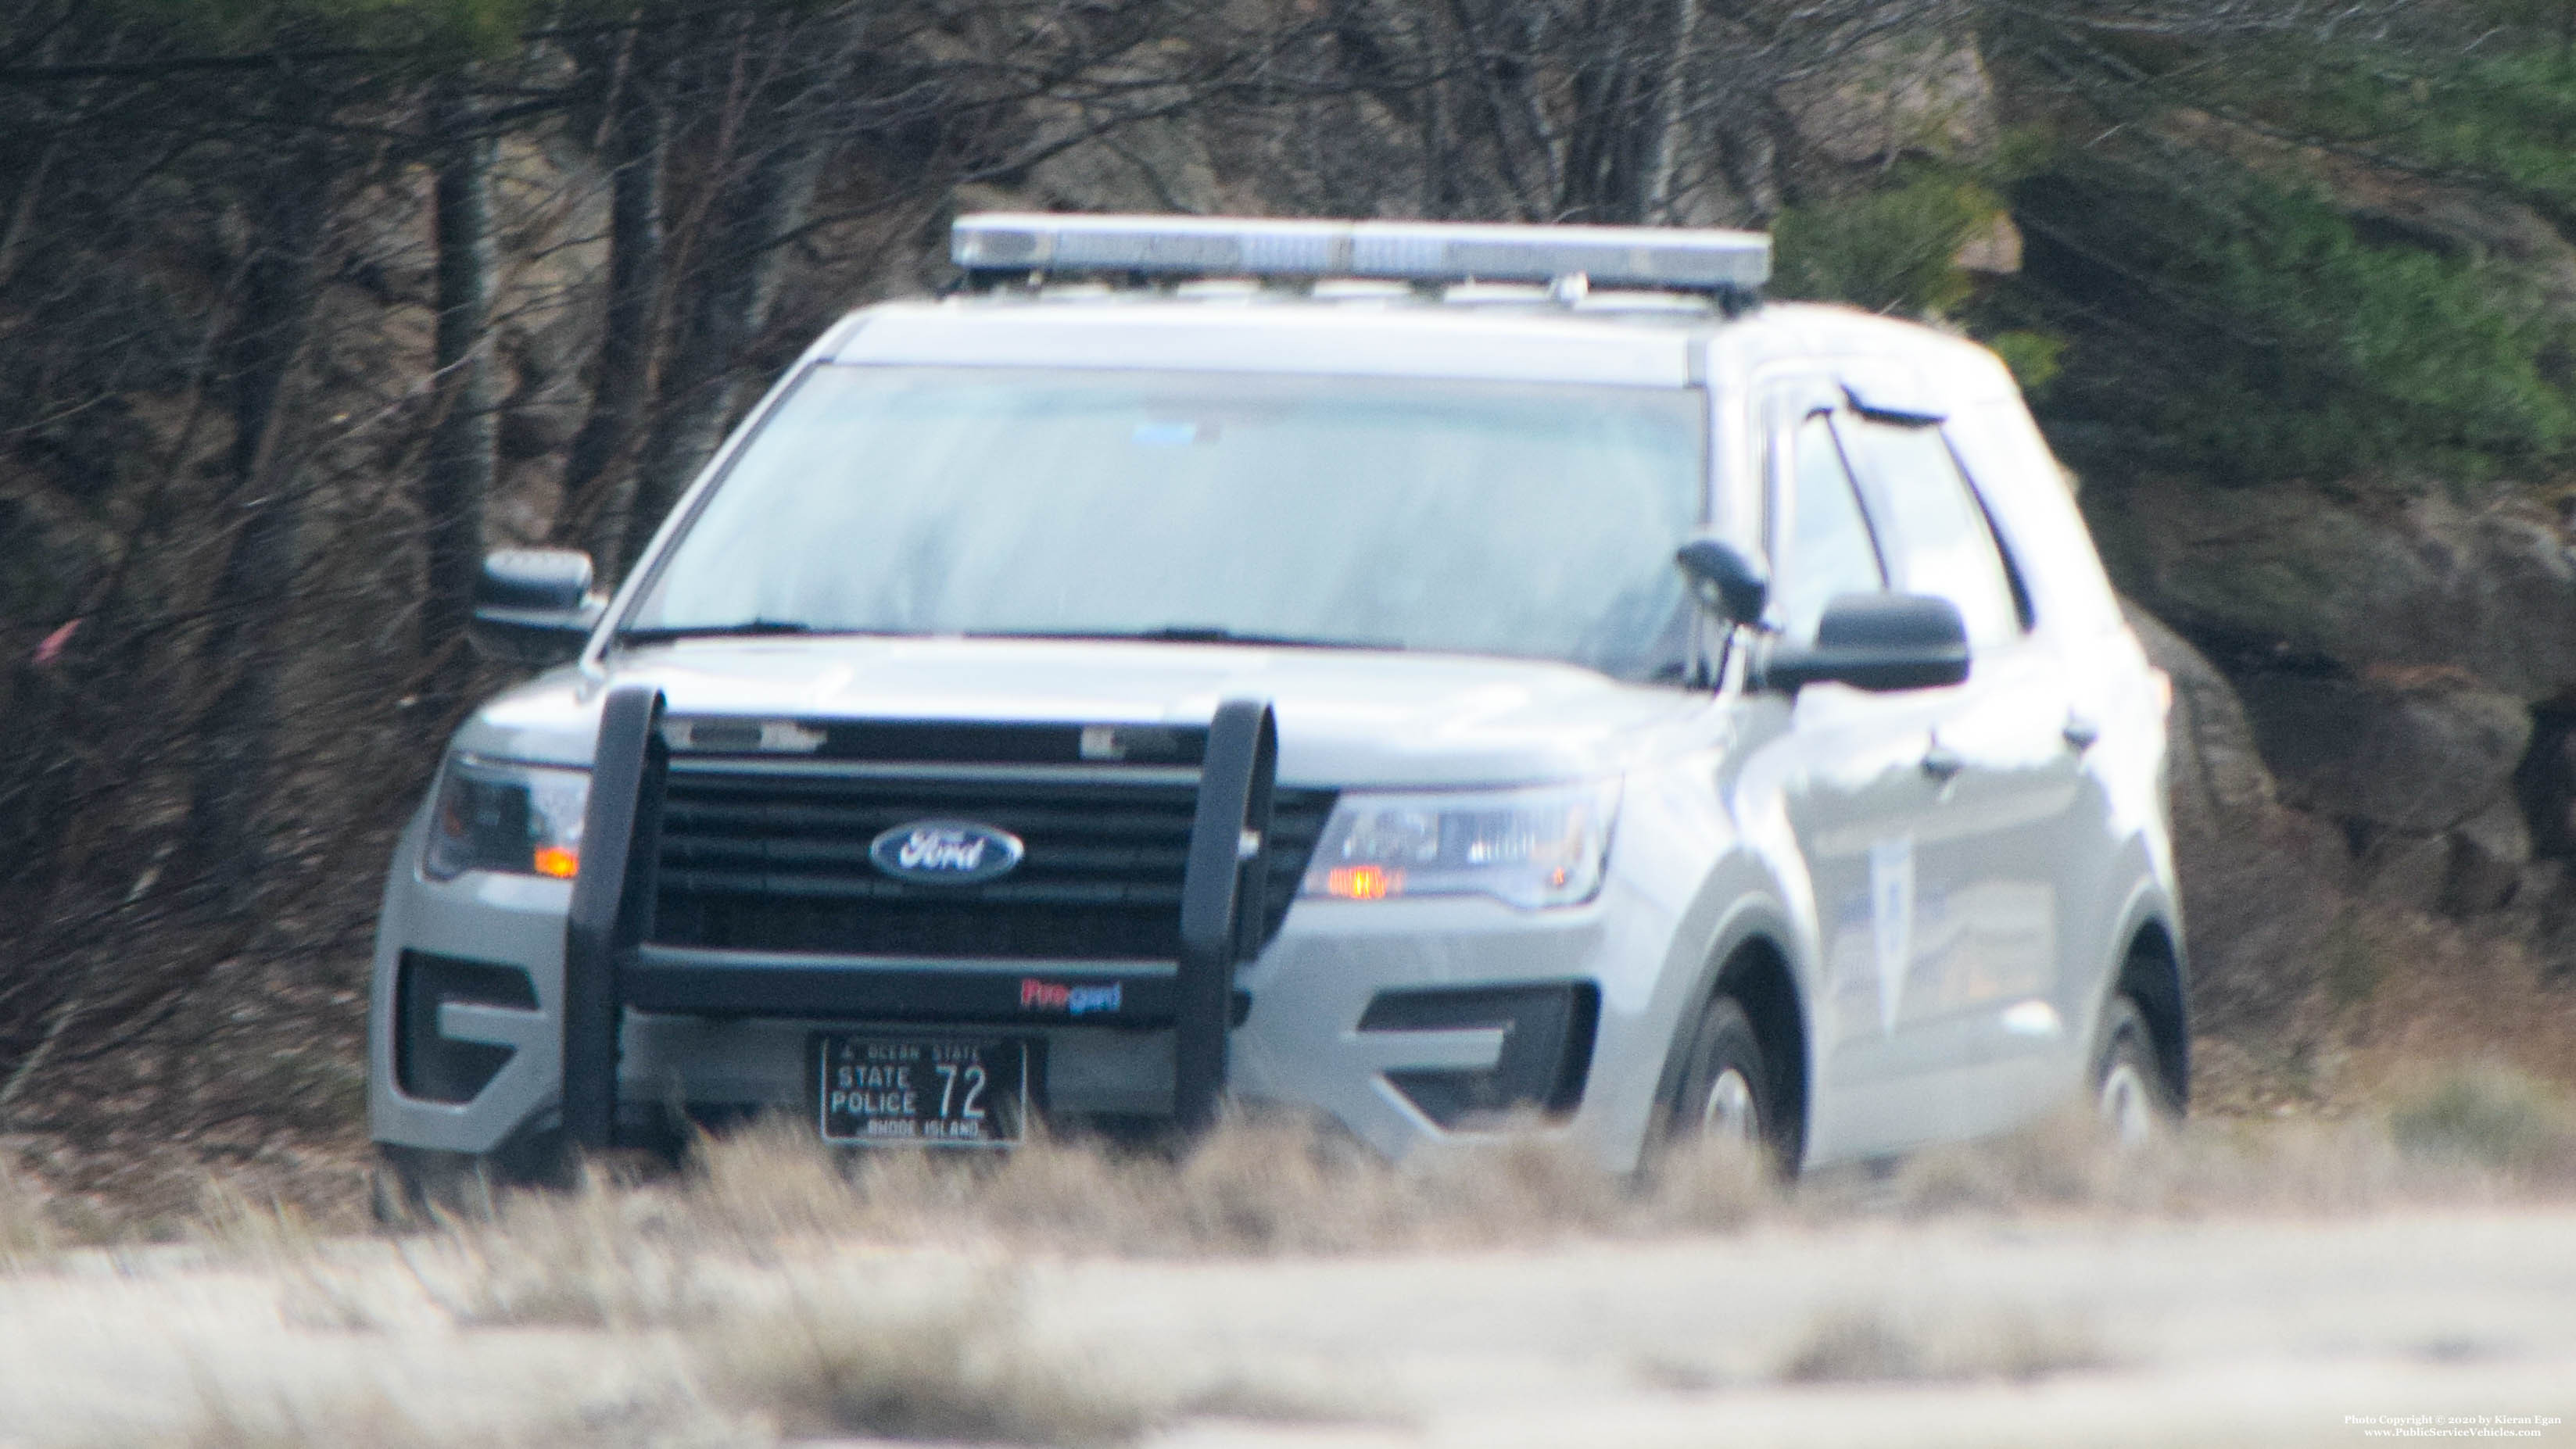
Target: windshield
1472	517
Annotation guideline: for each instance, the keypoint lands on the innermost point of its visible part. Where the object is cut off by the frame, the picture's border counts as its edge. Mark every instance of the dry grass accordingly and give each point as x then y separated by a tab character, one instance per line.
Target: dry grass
2067	1165
623	1251
1879	1344
605	1255
760	1276
1897	1335
2465	1136
676	1252
2449	993
954	1355
726	1254
617	1254
1285	1391
268	1232
1253	1187
2493	1119
27	1230
957	1364
757	1260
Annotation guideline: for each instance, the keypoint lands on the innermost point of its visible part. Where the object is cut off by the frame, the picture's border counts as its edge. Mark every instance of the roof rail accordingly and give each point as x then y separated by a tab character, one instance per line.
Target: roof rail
992	245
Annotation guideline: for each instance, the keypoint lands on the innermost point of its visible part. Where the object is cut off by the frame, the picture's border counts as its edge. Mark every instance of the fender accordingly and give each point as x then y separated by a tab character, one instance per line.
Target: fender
1755	915
2150	907
1752	918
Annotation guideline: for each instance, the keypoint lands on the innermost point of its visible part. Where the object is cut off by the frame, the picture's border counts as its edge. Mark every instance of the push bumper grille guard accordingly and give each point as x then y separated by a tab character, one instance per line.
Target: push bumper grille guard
1221	909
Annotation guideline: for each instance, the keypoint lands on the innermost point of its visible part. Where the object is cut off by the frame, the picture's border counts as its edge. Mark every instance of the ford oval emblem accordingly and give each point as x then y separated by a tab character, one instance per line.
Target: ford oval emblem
945	852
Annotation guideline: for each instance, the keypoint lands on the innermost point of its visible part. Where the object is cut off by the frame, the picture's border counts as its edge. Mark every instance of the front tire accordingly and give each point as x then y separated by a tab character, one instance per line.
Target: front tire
2129	1090
1726	1091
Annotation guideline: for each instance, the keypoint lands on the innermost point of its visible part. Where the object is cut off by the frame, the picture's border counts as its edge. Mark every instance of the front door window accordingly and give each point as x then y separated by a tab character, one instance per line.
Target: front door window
1827	550
1937	538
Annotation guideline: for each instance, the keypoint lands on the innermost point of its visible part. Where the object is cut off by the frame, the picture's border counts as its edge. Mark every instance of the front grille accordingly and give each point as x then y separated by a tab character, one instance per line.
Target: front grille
763	856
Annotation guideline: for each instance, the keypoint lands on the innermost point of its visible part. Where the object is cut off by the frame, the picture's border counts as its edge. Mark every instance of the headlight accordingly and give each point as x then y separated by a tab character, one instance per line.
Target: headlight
1543	847
492	815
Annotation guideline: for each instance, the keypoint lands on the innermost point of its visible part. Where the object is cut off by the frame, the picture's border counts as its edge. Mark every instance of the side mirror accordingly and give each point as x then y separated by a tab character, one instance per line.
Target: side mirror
533	605
1876	642
1725	582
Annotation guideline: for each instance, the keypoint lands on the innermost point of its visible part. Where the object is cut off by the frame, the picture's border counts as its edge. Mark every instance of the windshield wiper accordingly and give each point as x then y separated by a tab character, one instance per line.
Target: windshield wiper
747	629
1183	634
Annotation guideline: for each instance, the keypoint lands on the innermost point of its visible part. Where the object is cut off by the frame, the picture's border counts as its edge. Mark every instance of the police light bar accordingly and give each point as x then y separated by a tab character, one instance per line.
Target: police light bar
1415	251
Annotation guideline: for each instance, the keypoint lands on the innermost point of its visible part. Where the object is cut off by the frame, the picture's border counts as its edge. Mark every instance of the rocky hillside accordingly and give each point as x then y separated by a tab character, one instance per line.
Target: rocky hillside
2373	728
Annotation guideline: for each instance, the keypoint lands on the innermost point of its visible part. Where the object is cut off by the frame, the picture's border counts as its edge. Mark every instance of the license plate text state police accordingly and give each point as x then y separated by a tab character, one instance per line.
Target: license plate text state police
920	1089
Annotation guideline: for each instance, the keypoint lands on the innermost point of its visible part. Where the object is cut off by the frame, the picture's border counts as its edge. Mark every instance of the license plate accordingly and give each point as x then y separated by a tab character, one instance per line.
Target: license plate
923	1090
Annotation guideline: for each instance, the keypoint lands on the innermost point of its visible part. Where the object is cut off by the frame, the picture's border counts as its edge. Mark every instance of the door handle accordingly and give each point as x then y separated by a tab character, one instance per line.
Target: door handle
2081	732
1942	763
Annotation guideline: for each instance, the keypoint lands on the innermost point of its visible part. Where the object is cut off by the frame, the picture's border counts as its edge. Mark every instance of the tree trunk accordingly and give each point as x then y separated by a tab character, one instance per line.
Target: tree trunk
236	734
457	476
23	208
597	502
1752	159
1672	131
737	282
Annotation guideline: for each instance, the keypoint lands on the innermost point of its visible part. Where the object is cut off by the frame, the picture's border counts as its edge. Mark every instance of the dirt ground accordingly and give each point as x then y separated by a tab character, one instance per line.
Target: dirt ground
2243	1284
2357	1237
1873	1333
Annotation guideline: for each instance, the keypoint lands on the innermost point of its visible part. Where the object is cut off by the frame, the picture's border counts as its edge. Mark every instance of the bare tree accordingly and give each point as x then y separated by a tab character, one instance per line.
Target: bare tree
289	200
632	126
457	473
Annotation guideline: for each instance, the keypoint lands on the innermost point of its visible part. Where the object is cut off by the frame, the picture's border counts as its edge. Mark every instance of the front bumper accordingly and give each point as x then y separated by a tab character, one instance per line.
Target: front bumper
717	1031
1300	1045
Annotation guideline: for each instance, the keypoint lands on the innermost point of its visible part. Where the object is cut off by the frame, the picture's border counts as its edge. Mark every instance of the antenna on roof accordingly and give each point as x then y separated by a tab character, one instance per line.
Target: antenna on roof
992	245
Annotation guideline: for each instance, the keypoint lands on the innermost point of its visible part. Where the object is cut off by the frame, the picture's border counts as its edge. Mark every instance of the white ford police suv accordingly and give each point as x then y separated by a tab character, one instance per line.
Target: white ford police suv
1426	675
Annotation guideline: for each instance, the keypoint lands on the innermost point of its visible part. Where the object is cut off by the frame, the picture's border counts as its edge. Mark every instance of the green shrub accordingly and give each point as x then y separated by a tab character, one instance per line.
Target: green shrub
1891	250
2034	357
2238	326
2488	118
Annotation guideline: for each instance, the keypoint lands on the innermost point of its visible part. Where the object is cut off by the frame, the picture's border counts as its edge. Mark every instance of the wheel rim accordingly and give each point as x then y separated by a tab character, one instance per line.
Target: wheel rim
1730	1113
2128	1108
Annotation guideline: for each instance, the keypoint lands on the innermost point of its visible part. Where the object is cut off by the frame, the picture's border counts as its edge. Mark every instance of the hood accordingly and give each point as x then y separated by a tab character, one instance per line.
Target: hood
1346	717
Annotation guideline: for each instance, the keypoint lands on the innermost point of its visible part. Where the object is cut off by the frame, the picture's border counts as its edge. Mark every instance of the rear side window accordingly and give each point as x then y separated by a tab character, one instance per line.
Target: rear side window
1828	550
2032	504
1936	537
